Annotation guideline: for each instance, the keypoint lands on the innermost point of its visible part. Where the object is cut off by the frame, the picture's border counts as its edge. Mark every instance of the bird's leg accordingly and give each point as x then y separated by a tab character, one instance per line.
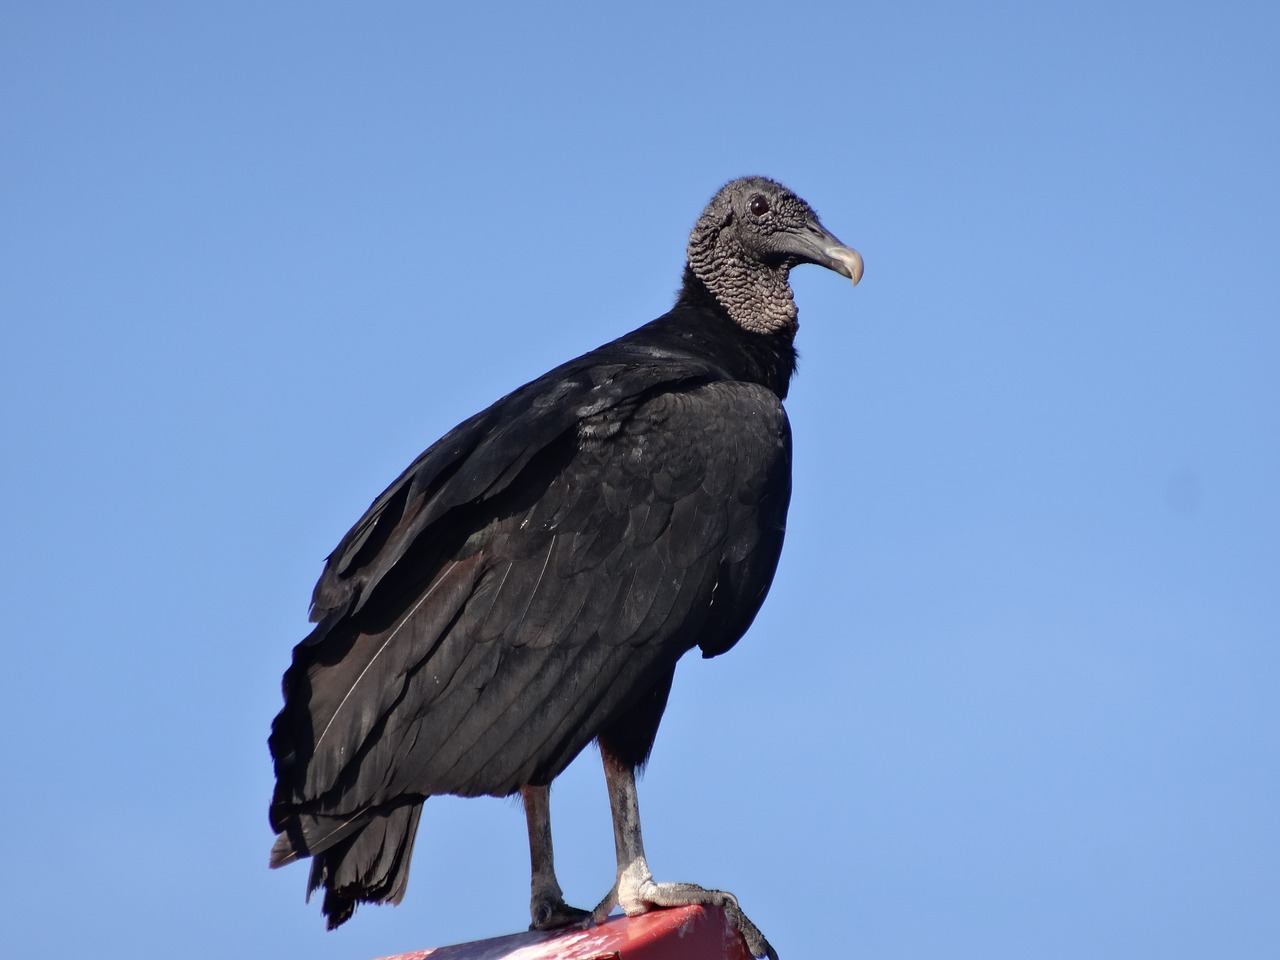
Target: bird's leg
547	908
635	890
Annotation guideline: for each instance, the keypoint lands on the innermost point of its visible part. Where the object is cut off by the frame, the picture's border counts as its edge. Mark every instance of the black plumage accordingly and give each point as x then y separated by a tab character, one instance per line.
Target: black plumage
529	583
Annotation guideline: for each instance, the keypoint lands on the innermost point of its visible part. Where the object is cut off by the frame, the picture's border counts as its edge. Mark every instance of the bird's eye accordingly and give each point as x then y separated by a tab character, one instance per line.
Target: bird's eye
759	205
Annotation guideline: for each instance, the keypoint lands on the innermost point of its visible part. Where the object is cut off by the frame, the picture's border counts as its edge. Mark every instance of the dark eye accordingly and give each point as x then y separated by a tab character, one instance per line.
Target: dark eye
759	205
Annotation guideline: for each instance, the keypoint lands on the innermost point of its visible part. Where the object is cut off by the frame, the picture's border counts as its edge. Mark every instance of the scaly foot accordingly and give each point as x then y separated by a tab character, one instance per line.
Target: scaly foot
637	892
551	913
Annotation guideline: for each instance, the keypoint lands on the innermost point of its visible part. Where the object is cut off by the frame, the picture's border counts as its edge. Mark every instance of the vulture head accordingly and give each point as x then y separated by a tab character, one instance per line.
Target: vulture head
743	246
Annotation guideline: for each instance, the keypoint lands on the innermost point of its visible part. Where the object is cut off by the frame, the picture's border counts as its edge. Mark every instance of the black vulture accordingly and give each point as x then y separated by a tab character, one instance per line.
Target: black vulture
528	584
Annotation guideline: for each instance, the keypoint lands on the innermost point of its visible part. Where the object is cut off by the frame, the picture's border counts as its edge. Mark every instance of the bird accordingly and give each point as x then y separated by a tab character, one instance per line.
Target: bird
528	584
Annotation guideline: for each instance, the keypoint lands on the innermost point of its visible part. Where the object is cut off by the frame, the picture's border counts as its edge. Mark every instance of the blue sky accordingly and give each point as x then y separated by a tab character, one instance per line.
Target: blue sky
1016	691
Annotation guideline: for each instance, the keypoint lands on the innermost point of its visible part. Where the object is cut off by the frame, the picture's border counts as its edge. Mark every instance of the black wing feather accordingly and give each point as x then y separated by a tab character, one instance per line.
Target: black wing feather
481	456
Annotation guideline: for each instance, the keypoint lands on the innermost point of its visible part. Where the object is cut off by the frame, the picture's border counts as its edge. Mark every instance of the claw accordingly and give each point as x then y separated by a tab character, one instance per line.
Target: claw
756	943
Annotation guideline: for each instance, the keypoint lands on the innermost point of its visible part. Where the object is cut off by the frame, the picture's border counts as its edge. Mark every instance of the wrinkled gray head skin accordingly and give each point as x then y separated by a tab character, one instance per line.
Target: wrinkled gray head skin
743	246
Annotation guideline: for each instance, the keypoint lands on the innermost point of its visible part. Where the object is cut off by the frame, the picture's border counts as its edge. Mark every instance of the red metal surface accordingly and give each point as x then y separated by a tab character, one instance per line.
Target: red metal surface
679	933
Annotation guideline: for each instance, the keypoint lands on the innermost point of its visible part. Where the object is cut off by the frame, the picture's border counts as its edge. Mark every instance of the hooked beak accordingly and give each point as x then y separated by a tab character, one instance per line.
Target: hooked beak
815	244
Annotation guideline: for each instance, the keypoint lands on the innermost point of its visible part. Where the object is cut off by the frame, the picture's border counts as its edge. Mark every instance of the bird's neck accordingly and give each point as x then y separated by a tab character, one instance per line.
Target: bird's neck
758	298
767	356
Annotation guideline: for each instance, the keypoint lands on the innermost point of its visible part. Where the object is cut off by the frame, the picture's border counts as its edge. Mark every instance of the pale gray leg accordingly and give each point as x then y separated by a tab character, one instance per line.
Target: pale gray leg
635	889
547	908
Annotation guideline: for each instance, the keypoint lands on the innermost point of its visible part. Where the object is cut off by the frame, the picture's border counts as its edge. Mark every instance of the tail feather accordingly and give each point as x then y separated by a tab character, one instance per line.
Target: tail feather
364	861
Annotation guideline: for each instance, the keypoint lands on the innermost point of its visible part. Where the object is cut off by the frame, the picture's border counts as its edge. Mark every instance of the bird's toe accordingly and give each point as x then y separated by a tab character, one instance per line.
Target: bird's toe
649	894
551	914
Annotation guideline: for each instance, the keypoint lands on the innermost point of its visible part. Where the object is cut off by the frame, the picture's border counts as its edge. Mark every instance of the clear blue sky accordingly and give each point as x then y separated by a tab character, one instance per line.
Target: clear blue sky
1016	692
